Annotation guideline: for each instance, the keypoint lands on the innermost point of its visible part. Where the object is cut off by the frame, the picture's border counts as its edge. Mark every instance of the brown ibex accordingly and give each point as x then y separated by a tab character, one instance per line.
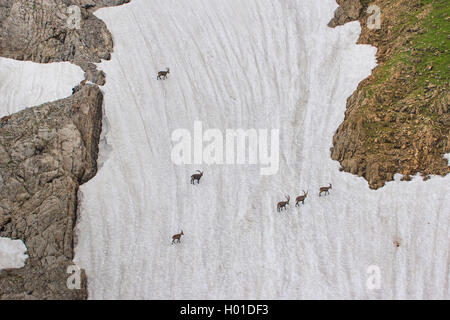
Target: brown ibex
325	189
196	177
163	74
301	198
282	205
177	237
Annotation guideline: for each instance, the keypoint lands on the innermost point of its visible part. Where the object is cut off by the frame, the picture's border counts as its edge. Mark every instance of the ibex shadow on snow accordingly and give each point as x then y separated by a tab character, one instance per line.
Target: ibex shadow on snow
282	205
162	75
325	189
177	237
301	198
196	177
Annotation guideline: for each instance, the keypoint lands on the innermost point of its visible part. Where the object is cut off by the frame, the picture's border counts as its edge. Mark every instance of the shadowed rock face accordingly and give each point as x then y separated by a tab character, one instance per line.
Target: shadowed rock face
46	152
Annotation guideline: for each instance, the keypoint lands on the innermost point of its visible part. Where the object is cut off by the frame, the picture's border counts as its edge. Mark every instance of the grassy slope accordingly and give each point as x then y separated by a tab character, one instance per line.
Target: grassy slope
403	106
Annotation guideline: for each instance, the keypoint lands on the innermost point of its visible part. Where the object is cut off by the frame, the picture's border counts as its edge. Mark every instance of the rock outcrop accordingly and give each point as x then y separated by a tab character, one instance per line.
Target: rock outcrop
398	120
53	31
348	10
46	152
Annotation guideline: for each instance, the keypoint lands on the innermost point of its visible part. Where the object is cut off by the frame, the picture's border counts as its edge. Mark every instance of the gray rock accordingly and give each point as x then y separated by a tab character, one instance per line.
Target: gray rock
43	31
47	152
39	189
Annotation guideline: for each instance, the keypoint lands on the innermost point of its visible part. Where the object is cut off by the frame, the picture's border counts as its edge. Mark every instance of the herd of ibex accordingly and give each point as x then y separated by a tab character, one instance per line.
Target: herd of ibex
194	177
162	75
282	204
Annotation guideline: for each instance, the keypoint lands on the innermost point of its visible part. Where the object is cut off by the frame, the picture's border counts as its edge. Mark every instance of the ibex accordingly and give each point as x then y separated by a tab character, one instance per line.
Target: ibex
196	177
301	198
177	237
325	189
283	204
163	74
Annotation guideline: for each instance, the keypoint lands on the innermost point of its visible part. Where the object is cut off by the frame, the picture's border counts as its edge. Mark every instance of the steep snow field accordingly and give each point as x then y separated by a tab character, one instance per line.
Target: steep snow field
12	253
28	84
261	64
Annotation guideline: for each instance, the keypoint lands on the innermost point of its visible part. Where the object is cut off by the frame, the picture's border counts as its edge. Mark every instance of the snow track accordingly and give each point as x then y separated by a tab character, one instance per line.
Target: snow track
246	64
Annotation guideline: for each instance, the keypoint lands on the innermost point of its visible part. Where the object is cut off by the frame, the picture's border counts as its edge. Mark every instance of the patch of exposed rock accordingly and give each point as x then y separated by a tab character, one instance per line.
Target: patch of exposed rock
398	120
46	31
348	10
46	152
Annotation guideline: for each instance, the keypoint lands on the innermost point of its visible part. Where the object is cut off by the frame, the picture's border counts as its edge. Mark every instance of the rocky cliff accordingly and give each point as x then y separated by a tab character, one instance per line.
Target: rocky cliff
53	31
47	152
398	121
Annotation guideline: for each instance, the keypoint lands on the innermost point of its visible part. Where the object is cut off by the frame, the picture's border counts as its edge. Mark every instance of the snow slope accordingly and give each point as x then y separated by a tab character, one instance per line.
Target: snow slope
246	64
27	84
12	253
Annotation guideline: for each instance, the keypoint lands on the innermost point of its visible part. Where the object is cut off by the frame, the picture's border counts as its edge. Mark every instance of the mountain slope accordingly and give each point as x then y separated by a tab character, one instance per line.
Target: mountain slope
398	120
246	64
